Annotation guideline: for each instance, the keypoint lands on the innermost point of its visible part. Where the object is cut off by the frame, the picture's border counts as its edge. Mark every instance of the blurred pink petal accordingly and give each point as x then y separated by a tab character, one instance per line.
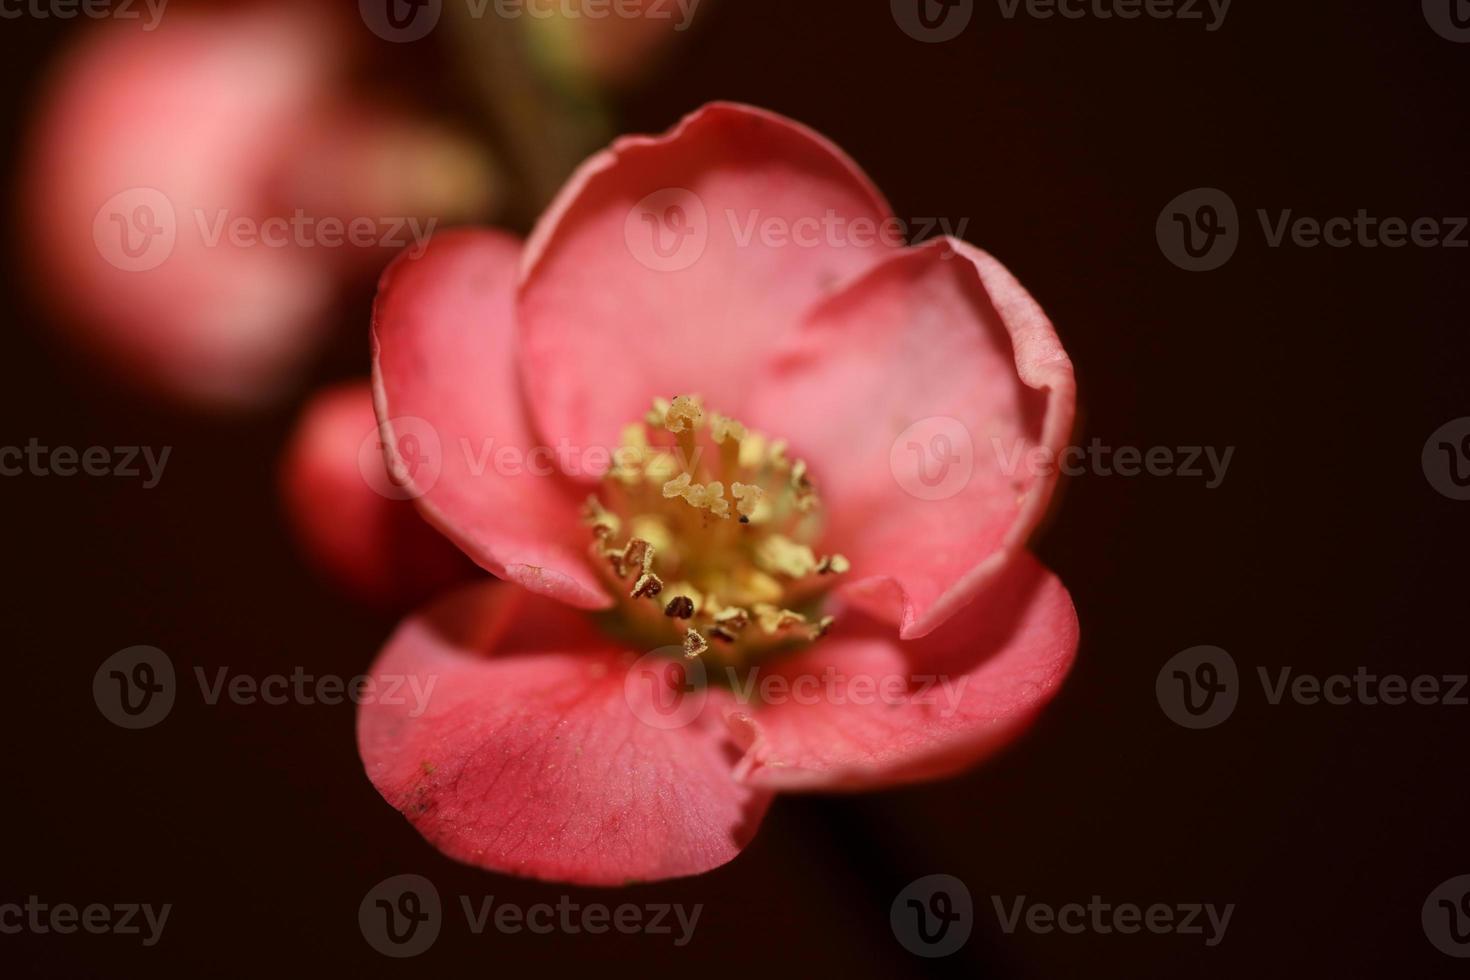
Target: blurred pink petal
345	510
154	146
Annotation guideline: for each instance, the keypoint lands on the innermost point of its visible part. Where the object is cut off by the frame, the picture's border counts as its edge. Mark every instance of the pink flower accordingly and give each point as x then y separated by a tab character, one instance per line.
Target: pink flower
843	627
172	175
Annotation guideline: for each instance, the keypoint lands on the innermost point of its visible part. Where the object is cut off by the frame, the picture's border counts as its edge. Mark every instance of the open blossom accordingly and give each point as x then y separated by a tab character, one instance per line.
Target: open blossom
191	192
750	522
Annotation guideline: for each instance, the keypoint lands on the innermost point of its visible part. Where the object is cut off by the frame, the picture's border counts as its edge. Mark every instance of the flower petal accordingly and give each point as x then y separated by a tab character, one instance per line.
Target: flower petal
524	752
375	547
608	322
453	429
179	131
918	396
880	711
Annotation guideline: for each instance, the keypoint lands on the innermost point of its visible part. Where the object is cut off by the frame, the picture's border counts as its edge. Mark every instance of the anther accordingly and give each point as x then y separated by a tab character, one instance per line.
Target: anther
833	565
683	413
747	498
648	584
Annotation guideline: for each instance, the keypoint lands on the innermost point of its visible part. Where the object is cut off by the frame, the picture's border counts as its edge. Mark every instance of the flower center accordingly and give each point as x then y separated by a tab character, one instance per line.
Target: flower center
705	528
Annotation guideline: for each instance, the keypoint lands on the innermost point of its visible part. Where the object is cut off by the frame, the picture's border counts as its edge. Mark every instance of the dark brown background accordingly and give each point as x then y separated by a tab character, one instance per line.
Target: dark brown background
1060	141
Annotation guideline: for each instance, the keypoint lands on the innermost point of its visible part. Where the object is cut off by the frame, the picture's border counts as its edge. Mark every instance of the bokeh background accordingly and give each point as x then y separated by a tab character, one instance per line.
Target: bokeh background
1059	141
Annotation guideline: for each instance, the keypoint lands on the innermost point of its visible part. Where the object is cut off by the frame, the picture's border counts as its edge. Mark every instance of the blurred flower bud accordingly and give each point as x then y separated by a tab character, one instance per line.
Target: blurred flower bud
197	194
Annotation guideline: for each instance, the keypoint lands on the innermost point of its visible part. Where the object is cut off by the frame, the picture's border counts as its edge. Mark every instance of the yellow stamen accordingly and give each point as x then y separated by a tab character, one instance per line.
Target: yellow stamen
665	517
